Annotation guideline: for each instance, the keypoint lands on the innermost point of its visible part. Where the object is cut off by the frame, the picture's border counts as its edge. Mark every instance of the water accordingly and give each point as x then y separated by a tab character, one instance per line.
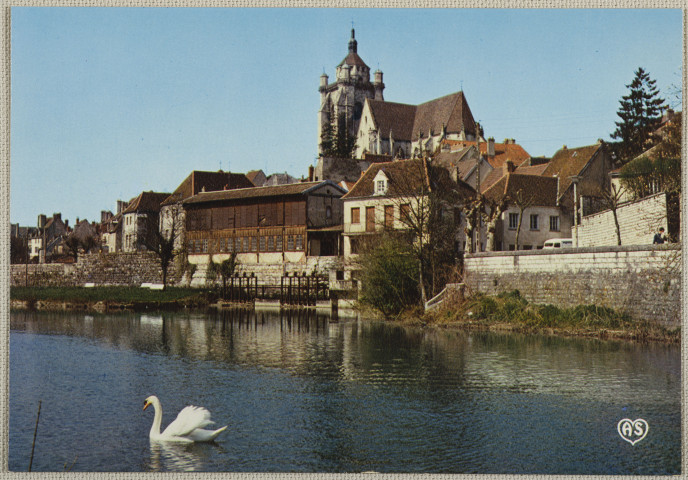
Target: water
301	394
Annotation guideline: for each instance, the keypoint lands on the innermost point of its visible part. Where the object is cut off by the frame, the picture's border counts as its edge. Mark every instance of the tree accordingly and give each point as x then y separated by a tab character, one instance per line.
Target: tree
640	112
522	202
335	139
611	199
19	250
225	269
495	209
389	281
160	240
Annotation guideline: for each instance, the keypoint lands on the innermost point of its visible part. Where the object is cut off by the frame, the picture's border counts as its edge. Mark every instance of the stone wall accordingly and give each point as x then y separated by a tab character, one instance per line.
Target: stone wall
638	222
643	281
130	269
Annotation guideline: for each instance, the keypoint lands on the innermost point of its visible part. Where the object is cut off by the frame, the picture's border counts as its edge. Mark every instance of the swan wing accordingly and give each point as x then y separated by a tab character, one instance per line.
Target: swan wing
188	420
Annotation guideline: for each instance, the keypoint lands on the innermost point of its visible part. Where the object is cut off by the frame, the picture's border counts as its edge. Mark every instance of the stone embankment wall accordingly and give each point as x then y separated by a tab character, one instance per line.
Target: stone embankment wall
130	269
638	222
643	281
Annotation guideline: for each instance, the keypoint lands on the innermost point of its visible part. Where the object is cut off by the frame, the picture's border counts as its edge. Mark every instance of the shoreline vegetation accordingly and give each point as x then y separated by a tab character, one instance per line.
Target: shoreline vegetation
506	312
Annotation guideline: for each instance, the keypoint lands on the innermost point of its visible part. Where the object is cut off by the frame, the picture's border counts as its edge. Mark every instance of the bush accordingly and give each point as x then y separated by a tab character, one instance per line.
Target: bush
389	276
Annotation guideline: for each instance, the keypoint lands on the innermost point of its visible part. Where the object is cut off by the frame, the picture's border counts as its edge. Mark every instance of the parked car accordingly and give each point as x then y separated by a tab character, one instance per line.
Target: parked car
559	243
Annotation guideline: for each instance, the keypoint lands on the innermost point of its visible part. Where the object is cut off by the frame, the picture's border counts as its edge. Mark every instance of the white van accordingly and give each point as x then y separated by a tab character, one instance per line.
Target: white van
559	243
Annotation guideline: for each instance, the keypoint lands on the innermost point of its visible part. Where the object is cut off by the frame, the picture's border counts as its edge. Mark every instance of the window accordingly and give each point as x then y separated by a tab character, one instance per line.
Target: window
230	244
535	222
355	215
278	243
299	242
261	244
271	243
245	244
554	223
328	212
389	216
354	246
222	244
513	221
404	212
290	243
254	244
370	219
380	187
205	246
198	246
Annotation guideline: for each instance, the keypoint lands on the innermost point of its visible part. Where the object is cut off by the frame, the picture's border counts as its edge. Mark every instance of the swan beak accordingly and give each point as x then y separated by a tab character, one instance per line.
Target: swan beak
145	405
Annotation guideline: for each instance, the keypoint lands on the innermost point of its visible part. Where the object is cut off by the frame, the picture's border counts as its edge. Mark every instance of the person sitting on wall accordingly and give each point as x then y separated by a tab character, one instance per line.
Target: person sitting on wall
660	238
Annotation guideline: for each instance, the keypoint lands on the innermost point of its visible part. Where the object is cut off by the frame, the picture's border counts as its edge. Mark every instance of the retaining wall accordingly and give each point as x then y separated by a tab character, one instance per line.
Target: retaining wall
643	281
128	269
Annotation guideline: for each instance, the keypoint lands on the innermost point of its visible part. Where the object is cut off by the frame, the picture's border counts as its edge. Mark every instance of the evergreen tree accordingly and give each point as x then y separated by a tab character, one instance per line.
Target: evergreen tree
640	112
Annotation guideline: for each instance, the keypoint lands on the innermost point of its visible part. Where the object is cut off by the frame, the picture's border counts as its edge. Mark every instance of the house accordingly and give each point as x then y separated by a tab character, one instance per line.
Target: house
111	229
465	164
533	202
140	216
583	173
387	195
171	211
47	238
257	177
265	225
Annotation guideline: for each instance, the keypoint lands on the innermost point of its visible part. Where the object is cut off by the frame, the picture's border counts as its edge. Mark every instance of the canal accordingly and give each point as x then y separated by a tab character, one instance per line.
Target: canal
301	393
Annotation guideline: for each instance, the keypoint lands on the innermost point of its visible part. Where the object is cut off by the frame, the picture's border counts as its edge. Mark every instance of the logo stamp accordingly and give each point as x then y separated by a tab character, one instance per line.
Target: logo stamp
632	431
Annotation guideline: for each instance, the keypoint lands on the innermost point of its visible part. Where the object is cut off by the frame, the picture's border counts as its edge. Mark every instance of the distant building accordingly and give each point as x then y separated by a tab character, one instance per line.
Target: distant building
141	214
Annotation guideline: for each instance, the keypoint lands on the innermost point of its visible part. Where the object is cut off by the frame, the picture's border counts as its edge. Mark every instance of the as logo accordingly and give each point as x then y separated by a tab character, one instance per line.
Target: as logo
632	431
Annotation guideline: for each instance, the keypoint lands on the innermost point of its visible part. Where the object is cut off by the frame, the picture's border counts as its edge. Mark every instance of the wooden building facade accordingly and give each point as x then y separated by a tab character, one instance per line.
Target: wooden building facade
270	224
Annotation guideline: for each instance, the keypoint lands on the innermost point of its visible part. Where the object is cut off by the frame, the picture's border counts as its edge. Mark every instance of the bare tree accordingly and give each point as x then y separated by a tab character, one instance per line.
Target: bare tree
611	200
160	238
494	212
522	202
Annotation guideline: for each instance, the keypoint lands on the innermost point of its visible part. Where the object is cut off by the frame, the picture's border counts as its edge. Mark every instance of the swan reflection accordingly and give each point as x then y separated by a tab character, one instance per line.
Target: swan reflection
178	457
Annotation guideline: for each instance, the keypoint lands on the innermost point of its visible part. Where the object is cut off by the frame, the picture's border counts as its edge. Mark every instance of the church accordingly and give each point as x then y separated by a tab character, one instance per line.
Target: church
354	103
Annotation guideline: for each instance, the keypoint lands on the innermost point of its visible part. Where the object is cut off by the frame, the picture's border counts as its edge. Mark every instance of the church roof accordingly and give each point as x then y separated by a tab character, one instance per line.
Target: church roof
405	121
451	111
395	117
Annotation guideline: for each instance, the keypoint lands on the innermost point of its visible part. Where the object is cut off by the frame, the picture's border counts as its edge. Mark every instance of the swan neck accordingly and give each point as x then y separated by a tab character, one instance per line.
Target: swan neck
157	419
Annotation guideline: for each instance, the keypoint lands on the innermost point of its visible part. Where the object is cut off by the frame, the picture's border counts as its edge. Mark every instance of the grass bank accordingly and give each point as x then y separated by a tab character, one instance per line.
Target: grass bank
108	297
510	311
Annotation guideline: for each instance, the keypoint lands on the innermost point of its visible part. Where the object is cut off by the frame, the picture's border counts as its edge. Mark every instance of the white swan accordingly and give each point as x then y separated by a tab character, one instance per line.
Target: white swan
187	427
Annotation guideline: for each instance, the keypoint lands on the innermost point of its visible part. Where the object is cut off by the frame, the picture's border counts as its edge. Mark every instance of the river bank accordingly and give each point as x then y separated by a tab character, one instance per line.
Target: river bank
507	312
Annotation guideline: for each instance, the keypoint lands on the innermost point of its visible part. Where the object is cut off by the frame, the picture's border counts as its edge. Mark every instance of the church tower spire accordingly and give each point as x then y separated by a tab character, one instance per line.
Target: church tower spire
353	44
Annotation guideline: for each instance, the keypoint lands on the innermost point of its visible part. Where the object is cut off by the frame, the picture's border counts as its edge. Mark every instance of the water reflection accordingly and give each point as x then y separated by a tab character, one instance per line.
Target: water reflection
303	393
179	457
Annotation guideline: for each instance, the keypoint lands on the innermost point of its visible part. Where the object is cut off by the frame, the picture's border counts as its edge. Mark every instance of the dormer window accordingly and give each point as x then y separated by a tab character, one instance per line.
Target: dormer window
380	183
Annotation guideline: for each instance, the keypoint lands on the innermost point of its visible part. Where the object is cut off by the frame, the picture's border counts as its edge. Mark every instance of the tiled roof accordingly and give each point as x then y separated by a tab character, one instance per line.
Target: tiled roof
568	162
531	169
491	178
353	59
541	191
253	174
503	151
459	158
146	202
291	189
452	111
395	117
377	158
405	177
210	181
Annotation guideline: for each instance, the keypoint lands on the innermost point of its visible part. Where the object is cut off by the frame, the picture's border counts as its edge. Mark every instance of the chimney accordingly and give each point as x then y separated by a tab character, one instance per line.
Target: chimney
564	147
310	173
41	220
508	167
77	221
490	147
121	206
57	217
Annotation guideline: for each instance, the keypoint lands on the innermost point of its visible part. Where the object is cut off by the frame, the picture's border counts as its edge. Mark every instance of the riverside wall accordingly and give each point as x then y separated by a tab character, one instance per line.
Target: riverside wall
122	269
643	281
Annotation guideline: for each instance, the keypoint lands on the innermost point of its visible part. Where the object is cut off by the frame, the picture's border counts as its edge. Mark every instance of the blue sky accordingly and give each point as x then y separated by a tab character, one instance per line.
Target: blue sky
108	102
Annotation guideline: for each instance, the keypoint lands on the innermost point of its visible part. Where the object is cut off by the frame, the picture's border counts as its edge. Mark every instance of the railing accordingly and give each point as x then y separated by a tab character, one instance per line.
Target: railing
304	290
437	300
